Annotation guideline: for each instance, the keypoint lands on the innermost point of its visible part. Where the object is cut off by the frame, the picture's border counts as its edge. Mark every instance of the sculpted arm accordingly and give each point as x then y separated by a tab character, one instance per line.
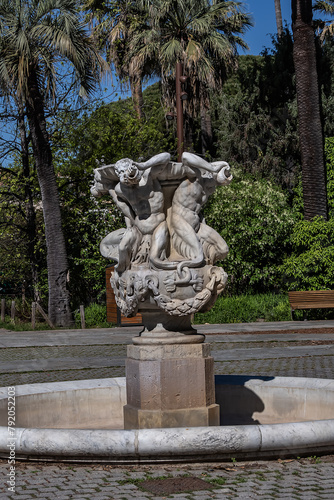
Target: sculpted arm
220	169
160	160
104	180
124	207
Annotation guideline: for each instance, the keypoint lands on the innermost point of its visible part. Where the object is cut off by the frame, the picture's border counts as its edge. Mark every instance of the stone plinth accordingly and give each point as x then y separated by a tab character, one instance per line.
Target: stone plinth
170	386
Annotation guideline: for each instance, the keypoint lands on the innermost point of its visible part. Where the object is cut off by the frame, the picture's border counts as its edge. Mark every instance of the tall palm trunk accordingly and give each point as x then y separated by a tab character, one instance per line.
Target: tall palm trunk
278	14
308	101
137	95
31	214
59	304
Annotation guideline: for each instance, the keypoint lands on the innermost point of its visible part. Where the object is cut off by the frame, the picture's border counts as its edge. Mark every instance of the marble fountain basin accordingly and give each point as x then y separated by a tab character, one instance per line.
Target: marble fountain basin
261	417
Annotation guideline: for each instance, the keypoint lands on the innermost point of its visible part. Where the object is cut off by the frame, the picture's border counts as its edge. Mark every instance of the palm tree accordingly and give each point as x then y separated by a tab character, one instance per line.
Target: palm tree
308	101
113	24
203	35
125	24
326	28
35	36
278	14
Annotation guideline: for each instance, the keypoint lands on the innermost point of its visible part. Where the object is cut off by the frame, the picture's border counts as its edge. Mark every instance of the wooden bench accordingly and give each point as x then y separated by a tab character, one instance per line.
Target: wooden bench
318	299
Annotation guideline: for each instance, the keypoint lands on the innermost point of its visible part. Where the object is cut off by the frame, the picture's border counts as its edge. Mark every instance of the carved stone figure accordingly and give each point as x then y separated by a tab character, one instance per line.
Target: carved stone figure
166	254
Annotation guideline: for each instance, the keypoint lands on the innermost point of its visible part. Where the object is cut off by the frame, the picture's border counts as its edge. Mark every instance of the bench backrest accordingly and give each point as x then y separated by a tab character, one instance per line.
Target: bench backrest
311	299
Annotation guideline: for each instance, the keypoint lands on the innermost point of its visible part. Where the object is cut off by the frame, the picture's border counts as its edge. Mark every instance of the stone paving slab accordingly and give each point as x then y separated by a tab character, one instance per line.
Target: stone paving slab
274	352
268	337
265	326
219	354
124	334
66	337
68	363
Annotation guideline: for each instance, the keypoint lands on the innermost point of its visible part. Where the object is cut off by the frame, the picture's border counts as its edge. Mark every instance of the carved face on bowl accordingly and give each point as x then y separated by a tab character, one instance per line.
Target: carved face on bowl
127	172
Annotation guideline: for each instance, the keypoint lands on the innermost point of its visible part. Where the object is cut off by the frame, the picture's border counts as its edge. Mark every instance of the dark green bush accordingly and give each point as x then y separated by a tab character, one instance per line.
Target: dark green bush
255	219
311	264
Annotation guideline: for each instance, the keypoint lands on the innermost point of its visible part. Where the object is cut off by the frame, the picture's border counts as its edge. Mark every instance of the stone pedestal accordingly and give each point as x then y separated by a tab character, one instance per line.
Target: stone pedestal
170	386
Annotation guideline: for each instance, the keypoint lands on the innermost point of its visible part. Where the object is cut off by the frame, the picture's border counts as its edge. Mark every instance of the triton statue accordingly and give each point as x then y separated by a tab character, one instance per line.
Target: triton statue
166	254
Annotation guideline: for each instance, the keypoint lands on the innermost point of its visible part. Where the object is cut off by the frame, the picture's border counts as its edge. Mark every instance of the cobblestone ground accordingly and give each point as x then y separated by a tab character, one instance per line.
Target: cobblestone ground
303	479
300	366
315	367
319	367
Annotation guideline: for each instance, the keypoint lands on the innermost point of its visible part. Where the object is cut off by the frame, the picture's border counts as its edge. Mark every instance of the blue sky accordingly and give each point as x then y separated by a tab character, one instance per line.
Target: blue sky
263	12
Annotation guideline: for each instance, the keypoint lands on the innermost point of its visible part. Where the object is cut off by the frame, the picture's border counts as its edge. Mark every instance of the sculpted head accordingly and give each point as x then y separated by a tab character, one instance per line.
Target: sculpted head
127	172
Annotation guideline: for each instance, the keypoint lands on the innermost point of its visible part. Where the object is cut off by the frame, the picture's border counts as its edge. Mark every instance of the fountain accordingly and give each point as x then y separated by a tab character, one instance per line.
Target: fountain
170	407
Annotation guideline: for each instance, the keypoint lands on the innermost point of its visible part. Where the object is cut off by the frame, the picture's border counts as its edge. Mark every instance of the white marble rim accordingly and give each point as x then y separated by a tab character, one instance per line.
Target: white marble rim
177	444
171	445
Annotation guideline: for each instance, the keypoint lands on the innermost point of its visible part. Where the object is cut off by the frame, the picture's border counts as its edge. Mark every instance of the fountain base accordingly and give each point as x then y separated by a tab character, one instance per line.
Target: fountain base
82	421
170	385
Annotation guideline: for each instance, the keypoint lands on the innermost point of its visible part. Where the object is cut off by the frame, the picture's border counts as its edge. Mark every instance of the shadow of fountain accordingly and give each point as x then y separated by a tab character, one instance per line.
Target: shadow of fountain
237	402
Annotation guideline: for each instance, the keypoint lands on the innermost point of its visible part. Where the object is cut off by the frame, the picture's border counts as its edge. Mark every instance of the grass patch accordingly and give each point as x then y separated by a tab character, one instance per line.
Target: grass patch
220	481
21	325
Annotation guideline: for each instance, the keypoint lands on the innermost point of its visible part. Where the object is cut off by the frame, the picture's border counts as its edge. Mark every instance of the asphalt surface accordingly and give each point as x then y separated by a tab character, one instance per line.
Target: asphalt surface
303	349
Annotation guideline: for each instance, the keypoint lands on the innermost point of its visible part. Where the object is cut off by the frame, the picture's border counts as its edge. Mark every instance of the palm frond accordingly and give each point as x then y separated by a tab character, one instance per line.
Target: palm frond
324	6
171	52
38	34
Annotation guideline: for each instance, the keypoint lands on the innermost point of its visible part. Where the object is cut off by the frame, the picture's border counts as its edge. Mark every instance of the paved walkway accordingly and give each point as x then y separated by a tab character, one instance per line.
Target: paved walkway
278	349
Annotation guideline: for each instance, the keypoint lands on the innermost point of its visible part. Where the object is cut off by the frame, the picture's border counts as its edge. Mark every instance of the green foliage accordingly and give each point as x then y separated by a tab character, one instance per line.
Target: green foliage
246	309
22	321
22	326
256	115
38	37
85	225
311	263
255	219
203	36
113	132
95	316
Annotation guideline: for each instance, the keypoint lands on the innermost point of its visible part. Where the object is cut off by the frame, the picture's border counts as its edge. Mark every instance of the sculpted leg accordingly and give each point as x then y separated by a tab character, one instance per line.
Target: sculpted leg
160	239
109	246
128	248
186	243
215	247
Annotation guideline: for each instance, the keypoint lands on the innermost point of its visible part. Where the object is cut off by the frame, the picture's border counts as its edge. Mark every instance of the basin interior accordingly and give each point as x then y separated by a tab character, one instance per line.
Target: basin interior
98	403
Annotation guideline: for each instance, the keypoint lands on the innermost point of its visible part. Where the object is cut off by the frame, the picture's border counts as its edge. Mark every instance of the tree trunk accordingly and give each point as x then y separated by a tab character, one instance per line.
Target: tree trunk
31	214
59	303
278	14
309	121
137	95
206	125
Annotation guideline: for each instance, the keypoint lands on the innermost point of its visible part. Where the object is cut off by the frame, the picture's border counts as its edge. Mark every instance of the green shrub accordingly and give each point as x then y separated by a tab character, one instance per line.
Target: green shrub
95	316
247	309
311	264
255	219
